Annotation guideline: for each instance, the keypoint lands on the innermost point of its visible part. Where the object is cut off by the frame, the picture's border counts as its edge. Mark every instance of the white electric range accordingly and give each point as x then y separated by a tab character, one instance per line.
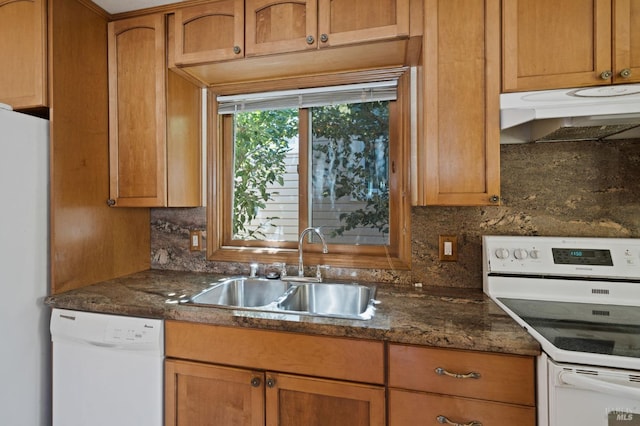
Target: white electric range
580	299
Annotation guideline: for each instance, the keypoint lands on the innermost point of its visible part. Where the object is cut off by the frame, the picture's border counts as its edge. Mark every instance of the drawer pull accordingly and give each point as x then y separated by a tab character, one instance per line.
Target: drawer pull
442	372
445	421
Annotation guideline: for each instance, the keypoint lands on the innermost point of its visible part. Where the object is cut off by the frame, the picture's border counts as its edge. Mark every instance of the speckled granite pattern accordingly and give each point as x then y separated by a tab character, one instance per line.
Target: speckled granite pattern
568	189
440	317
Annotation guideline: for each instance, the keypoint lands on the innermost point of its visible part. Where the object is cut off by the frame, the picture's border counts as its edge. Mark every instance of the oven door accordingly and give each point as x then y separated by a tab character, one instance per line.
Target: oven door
593	396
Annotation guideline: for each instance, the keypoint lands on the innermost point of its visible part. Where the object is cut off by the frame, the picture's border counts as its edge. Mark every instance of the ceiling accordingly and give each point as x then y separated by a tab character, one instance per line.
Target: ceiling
119	6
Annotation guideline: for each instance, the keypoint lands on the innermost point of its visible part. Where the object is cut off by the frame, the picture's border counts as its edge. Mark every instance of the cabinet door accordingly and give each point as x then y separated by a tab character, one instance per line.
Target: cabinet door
626	41
357	21
137	111
554	44
210	395
209	32
23	42
294	401
423	409
280	26
458	154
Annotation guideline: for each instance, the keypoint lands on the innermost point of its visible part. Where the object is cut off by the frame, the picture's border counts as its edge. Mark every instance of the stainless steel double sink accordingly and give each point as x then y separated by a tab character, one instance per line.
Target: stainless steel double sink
349	301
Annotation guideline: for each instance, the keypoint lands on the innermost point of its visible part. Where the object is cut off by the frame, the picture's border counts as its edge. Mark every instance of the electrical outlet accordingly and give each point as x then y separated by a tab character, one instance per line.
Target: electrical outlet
448	248
195	240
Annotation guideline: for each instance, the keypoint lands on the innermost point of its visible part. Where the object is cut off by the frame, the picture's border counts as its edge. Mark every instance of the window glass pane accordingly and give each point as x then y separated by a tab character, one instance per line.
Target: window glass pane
350	172
265	176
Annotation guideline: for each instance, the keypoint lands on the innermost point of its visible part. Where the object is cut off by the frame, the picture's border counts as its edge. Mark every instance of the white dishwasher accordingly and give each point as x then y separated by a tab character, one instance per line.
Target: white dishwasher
107	369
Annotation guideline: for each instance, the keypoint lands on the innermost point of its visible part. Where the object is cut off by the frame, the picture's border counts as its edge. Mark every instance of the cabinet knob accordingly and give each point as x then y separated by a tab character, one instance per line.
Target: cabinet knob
310	39
445	421
625	73
324	38
271	382
255	382
237	50
111	202
494	198
606	75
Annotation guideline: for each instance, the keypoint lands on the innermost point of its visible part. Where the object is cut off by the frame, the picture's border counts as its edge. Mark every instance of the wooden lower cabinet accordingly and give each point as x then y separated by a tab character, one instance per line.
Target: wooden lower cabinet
208	394
422	409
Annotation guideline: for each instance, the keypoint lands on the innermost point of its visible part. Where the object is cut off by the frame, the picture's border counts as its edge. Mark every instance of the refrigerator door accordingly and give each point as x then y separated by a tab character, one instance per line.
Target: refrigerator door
25	349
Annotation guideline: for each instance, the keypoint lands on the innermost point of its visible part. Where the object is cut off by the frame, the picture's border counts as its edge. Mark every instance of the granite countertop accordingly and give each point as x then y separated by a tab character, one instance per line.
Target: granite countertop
432	316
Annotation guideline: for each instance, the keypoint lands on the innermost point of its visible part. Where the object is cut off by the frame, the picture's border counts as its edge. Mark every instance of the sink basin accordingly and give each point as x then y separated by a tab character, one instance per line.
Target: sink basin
350	301
335	300
242	292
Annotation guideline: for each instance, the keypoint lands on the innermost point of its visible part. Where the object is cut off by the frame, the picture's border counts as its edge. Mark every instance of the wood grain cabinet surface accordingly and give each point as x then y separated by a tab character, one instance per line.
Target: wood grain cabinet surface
154	120
457	157
23	53
222	375
572	43
429	385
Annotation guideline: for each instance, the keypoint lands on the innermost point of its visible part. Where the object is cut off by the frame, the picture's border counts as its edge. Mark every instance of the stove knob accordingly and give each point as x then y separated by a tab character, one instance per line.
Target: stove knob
520	254
534	254
502	253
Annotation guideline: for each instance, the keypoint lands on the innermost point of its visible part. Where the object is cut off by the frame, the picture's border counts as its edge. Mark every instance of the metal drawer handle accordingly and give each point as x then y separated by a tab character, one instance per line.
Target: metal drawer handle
442	372
445	421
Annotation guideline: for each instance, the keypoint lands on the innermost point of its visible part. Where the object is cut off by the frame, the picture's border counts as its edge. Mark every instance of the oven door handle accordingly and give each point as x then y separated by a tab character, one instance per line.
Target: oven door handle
589	383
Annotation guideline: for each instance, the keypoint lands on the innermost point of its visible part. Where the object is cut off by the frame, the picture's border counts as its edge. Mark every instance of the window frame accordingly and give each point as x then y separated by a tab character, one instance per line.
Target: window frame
395	255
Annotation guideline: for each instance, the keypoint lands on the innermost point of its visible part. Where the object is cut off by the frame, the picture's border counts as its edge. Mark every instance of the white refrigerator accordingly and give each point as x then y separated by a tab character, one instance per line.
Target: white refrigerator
25	360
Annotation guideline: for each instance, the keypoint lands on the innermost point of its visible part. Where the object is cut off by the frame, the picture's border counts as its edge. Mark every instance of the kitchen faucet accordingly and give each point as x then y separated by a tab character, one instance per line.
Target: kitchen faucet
303	234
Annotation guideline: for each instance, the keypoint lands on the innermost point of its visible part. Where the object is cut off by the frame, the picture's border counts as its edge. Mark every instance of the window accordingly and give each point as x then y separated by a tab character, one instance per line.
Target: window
328	158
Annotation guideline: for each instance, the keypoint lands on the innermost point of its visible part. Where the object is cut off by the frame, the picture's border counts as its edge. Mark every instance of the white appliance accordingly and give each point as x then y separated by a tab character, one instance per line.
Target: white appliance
586	113
580	298
24	247
107	369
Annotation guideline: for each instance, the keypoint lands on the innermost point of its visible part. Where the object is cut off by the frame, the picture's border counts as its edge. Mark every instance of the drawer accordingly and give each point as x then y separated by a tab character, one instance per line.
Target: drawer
505	378
320	356
422	409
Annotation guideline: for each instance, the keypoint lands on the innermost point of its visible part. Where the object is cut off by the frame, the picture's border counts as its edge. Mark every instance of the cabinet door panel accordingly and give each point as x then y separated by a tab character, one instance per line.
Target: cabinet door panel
423	409
201	394
23	41
137	115
209	32
549	44
626	41
357	21
280	26
295	401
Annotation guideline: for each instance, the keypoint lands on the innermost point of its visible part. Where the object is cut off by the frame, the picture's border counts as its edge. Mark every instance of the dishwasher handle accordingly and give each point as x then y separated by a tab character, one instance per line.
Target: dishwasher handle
597	385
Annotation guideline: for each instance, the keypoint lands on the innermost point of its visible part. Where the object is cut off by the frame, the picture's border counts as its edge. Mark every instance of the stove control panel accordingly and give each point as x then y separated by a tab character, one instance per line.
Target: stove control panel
583	257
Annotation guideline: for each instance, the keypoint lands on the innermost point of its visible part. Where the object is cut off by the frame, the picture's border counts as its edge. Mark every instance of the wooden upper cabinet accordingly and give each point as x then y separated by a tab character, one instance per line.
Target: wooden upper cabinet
358	21
626	41
154	121
209	32
280	26
572	43
458	152
23	51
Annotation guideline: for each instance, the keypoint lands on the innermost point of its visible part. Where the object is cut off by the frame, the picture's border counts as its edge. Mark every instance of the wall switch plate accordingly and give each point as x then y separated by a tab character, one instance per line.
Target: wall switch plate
448	248
195	240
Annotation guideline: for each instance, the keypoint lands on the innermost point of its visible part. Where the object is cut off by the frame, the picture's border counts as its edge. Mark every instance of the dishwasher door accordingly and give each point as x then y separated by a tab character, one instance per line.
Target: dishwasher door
107	369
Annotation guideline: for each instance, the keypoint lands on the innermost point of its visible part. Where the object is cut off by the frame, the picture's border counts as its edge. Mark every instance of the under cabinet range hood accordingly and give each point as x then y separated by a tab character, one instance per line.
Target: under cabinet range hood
592	113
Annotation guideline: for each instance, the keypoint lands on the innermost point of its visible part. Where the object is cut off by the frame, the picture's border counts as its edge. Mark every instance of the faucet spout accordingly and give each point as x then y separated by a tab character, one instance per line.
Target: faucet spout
303	234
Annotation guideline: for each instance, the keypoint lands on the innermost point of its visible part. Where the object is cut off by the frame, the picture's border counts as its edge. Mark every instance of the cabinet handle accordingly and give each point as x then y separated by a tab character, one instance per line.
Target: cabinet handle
606	75
237	50
442	372
445	421
255	382
324	38
494	199
271	382
111	202
310	39
625	73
